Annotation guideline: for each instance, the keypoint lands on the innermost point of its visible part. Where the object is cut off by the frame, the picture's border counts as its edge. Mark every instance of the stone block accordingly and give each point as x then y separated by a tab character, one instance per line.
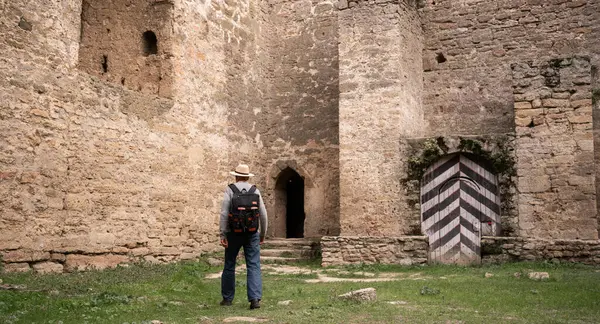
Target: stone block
561	95
534	184
57	257
583	119
581	103
141	251
361	295
529	112
17	267
48	267
77	262
523	105
188	256
151	259
24	256
556	103
523	122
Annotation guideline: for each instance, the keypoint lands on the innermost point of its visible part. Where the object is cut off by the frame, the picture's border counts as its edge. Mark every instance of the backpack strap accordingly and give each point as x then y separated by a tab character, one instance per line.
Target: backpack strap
252	189
234	189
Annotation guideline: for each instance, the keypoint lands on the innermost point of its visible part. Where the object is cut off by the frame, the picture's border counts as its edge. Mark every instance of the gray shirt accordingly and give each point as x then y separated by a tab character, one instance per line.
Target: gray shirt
224	224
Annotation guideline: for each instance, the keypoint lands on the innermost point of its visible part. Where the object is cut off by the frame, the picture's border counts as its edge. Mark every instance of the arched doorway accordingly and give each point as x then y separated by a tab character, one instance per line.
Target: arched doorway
460	202
289	201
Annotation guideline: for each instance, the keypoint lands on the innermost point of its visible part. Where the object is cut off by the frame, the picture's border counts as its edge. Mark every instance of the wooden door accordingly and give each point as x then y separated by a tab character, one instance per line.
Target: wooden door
456	196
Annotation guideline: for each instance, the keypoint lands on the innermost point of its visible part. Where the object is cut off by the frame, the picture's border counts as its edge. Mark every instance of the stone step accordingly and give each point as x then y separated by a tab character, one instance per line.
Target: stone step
271	259
268	246
287	253
290	244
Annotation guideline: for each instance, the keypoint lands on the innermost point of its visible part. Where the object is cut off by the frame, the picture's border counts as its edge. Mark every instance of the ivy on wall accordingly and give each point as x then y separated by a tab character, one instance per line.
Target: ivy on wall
500	158
496	151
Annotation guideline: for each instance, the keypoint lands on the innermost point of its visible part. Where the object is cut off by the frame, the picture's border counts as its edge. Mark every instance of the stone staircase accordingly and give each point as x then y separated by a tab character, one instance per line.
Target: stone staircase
281	250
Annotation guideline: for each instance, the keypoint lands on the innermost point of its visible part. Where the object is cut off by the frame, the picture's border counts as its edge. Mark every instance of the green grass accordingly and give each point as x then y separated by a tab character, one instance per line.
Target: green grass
179	293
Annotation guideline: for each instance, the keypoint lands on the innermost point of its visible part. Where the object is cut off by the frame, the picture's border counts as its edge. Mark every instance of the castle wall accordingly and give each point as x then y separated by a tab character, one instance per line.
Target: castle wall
412	250
469	91
115	33
93	173
555	149
299	117
469	49
380	103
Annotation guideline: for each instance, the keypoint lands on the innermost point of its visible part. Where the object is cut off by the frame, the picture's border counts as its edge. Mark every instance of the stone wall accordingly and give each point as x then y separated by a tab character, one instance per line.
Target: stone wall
468	81
555	149
596	128
380	102
128	42
93	174
412	250
503	249
469	46
299	117
407	250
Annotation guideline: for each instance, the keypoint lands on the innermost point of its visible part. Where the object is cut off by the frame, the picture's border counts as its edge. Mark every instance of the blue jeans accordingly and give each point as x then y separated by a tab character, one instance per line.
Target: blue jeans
251	245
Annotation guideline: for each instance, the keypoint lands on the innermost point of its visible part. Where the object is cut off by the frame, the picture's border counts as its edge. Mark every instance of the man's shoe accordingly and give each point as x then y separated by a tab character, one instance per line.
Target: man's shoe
225	302
255	304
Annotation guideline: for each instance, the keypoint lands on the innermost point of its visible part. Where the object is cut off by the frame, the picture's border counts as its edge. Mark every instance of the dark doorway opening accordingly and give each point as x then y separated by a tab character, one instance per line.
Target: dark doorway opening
289	205
295	207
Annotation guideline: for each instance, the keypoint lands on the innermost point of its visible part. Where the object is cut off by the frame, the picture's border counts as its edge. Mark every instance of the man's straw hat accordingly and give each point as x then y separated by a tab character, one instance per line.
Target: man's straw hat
242	170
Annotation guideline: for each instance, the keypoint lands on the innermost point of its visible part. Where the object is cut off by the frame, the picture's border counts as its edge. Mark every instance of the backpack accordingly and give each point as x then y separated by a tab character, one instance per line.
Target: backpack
244	214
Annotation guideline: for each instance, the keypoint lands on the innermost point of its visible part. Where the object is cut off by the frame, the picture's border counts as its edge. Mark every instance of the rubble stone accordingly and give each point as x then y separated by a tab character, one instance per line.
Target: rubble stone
361	295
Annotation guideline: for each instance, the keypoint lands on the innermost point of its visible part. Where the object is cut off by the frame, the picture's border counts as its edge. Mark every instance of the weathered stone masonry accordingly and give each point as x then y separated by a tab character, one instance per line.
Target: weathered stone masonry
380	102
93	173
115	148
555	149
470	51
298	118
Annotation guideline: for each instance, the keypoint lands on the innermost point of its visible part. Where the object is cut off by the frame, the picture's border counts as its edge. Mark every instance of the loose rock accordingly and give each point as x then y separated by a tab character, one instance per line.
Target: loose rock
244	319
539	275
362	295
214	262
397	302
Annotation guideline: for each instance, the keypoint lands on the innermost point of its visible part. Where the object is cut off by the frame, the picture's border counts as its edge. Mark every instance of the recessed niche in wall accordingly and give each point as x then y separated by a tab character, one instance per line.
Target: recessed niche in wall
149	43
440	58
128	40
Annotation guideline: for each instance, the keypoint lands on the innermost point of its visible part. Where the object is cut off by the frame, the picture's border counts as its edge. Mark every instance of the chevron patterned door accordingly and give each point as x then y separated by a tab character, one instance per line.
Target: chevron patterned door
459	202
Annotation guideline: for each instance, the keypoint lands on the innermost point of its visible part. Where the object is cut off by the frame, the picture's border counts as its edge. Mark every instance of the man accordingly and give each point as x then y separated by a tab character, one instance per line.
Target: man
243	223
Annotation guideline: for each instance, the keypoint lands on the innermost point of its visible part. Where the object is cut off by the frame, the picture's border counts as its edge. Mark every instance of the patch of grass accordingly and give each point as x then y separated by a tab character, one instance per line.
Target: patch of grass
179	293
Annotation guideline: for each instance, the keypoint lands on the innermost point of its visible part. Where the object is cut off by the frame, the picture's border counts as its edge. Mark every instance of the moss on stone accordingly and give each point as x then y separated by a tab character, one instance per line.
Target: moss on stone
418	164
492	248
502	162
595	96
432	150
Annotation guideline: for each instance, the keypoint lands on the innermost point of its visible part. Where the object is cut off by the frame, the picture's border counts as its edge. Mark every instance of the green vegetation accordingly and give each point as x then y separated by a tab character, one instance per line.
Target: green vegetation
180	293
430	153
595	96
